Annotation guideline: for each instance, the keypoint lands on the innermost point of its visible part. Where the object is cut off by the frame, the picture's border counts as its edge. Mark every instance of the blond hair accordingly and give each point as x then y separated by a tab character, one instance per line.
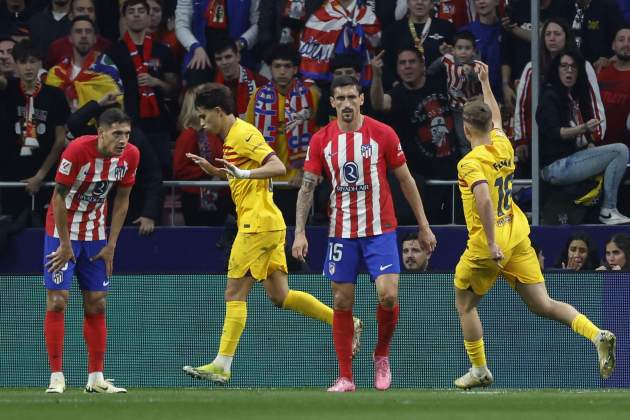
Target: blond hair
477	115
188	117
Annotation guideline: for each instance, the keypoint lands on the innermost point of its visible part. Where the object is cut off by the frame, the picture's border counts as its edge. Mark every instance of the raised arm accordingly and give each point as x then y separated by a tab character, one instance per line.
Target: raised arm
380	100
488	97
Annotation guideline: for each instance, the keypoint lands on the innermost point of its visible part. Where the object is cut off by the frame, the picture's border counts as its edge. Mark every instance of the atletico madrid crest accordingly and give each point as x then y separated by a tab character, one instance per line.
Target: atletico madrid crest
366	151
331	267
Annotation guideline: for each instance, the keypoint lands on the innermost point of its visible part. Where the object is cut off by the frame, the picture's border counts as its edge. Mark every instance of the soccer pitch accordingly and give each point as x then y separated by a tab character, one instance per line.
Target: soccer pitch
217	403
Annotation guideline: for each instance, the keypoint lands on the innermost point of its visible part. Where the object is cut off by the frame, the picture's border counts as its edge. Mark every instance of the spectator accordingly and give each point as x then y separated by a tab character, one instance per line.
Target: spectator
594	26
282	21
201	206
556	37
34	134
578	254
160	32
462	83
415	259
488	31
420	111
568	153
241	80
199	22
50	24
13	13
145	202
429	35
614	83
540	256
7	65
149	76
339	26
62	47
617	253
88	74
348	64
284	110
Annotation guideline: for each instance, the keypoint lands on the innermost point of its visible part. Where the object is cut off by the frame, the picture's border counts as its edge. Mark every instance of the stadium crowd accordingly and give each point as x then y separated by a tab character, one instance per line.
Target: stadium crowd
62	62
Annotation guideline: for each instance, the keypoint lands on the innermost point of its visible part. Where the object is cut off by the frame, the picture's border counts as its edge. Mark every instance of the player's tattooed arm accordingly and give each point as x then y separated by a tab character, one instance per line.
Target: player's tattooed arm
62	190
305	201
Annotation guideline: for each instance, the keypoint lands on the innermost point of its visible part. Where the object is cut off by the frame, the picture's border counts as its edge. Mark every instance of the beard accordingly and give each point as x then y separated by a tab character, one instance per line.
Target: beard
624	58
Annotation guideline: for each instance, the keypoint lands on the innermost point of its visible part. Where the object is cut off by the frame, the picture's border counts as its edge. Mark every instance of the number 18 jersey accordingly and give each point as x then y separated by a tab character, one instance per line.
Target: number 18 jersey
493	164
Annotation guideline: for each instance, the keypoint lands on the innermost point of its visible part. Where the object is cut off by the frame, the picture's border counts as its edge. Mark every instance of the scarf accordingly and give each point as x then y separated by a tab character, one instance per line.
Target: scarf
299	124
207	196
245	88
29	130
98	76
149	107
215	14
581	141
295	9
419	41
578	22
334	30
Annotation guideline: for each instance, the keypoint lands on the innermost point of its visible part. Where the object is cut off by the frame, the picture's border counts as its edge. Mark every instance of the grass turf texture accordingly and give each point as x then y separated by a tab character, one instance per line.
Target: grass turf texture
216	403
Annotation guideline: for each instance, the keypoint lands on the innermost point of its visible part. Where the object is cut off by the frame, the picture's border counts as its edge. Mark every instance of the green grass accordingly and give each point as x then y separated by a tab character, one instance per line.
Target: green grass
213	403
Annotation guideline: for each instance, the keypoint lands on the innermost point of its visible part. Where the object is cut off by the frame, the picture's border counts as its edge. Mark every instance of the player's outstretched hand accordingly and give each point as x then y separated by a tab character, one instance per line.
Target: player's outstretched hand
107	255
58	259
206	166
497	254
427	240
481	69
231	170
299	250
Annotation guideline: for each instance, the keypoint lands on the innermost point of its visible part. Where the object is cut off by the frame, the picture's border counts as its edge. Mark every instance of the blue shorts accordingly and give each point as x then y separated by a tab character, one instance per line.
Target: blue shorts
343	257
91	274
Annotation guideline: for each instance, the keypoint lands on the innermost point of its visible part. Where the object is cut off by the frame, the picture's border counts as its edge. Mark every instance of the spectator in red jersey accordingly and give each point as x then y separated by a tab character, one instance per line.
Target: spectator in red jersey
62	47
614	84
34	134
149	76
242	81
355	152
159	30
201	206
76	241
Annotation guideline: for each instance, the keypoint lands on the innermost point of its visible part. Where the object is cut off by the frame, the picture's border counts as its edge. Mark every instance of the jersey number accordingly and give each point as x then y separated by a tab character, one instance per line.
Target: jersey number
504	187
335	252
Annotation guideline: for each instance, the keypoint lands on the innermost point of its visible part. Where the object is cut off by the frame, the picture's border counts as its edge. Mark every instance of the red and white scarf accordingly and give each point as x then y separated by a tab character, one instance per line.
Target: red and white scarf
29	129
149	107
298	121
245	88
359	28
215	15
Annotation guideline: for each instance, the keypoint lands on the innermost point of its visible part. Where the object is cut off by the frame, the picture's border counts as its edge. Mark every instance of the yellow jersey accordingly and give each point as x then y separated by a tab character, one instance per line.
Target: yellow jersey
494	164
281	147
246	148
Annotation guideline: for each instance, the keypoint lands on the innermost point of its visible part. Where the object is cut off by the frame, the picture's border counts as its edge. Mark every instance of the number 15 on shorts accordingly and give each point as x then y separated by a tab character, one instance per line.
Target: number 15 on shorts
335	252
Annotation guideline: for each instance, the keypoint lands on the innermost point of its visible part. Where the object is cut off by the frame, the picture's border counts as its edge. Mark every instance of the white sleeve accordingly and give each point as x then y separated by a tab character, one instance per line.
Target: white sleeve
183	19
522	91
596	99
401	9
251	34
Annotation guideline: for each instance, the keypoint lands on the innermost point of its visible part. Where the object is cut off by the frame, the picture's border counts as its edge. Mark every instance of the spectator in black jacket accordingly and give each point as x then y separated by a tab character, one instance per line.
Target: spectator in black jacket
568	153
145	204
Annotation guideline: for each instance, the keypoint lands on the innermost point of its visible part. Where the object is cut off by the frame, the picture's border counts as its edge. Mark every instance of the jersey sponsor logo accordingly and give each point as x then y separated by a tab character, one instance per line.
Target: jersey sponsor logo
350	172
351	188
366	151
119	172
65	167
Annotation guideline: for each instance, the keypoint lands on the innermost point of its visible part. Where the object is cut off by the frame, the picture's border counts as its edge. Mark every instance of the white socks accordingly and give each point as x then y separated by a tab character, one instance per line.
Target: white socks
224	362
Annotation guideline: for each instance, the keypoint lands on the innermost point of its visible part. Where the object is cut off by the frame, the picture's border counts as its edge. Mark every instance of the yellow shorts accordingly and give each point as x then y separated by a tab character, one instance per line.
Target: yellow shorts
520	264
260	254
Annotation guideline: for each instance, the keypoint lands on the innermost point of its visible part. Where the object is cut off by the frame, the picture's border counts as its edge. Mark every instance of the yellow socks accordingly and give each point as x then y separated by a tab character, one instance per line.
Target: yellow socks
583	326
476	353
308	305
233	326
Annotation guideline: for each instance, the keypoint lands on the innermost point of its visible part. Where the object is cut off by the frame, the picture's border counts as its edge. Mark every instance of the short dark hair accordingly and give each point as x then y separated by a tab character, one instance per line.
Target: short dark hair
409	236
82	19
112	116
411	48
223	44
342	81
215	95
478	114
624	27
345	60
283	52
465	35
129	3
24	50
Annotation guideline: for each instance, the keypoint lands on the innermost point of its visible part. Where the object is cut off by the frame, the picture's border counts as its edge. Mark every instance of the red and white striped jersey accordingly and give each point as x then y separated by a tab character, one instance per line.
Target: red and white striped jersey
90	175
356	164
460	88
